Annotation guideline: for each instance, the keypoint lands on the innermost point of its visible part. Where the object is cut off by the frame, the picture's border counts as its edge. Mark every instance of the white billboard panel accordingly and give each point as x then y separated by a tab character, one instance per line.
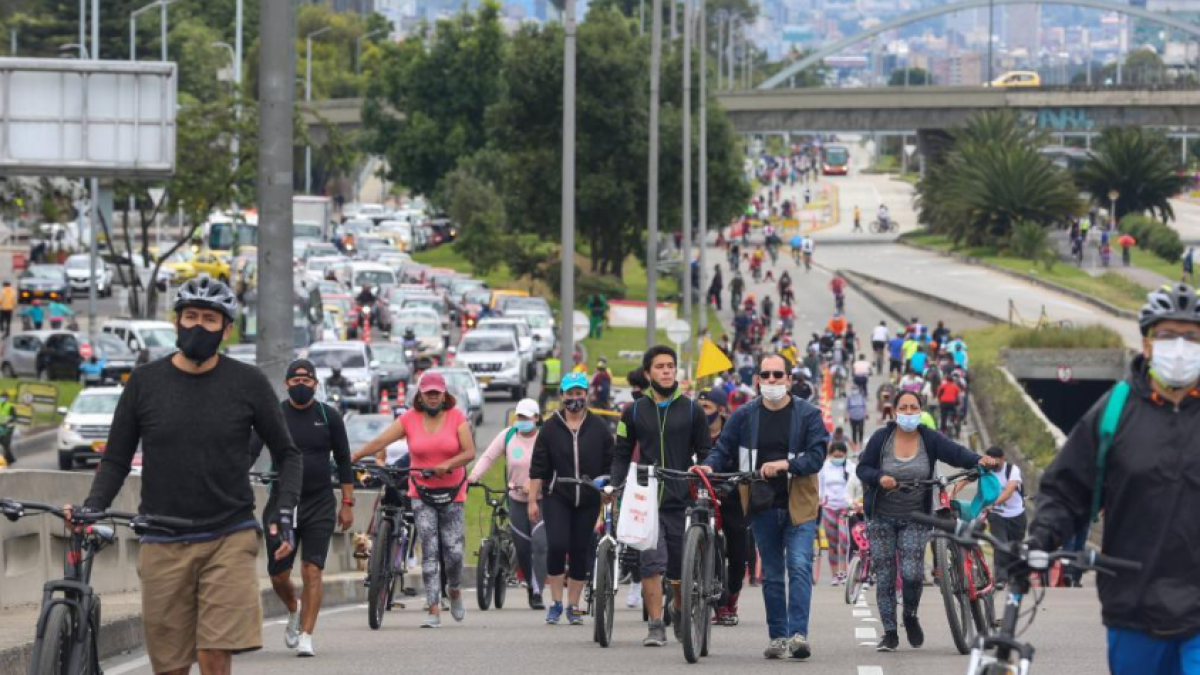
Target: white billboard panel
66	117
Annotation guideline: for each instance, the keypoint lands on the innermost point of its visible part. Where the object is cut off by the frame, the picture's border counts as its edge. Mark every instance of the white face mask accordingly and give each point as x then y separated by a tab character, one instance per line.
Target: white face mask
1176	362
773	392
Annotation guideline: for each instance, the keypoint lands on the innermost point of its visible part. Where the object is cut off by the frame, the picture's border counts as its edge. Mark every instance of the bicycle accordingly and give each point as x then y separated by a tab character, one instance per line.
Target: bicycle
962	573
877	227
994	654
601	591
393	543
496	560
858	570
68	626
704	570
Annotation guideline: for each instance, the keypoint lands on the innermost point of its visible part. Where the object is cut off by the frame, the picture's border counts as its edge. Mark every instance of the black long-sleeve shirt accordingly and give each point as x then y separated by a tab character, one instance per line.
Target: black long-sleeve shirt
317	430
194	432
558	452
674	436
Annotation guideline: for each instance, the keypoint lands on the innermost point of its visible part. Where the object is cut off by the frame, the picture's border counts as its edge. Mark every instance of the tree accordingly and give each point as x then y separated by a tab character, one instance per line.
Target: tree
473	204
1139	165
915	77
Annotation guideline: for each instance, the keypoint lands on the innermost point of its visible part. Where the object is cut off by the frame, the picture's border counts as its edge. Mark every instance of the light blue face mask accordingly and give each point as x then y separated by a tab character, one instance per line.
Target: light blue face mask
524	426
909	422
837	461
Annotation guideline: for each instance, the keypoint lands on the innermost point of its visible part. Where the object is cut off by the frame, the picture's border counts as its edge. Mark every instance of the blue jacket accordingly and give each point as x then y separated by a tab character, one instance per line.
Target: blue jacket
940	449
806	449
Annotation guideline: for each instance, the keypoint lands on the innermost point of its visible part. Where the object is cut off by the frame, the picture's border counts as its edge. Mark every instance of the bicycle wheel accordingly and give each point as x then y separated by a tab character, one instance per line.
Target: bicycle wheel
854	581
953	595
483	575
379	574
694	586
982	611
604	594
874	227
53	653
500	575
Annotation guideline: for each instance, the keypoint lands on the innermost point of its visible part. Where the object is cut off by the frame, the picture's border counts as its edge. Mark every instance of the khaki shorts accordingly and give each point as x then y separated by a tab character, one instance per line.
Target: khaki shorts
200	596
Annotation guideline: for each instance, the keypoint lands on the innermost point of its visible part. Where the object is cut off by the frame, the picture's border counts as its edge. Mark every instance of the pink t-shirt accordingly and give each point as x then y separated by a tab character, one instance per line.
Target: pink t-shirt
519	453
428	450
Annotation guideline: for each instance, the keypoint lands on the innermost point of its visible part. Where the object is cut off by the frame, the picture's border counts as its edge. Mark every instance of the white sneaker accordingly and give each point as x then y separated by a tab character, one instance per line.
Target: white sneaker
291	634
635	596
306	646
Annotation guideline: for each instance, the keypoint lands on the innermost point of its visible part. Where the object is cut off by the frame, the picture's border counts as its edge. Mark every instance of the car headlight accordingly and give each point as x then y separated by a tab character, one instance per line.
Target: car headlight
68	428
511	364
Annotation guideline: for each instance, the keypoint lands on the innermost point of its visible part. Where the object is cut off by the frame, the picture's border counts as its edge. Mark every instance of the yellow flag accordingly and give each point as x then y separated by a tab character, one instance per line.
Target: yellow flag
712	360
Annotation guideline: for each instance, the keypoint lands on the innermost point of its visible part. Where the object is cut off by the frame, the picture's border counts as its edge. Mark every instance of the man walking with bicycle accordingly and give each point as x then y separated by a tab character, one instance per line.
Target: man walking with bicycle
669	430
192	414
784	439
320	433
1133	457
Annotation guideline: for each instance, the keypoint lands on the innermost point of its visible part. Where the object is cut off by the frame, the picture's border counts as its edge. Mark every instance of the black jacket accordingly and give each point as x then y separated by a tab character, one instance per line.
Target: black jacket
1151	502
675	437
940	449
555	454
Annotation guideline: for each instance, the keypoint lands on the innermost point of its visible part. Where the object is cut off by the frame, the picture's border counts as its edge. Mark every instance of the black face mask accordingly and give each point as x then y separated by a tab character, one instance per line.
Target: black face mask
663	391
432	411
574	404
301	394
197	343
713	417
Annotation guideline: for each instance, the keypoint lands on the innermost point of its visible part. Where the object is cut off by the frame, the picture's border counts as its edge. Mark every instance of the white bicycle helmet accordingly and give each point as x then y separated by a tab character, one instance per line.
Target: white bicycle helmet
1176	302
207	293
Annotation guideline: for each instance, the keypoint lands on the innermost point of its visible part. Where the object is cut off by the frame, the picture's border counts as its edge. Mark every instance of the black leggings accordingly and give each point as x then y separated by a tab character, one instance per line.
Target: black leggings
856	431
568	533
733	522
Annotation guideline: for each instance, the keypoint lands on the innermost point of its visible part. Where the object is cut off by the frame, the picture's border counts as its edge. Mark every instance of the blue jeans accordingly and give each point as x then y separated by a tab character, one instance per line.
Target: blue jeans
1132	652
787	611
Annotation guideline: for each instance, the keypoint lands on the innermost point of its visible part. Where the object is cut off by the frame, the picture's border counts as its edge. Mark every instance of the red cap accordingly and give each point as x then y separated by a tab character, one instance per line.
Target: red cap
432	382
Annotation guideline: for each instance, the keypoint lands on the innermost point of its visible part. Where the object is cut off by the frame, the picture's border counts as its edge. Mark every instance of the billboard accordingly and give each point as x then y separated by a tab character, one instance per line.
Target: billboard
67	117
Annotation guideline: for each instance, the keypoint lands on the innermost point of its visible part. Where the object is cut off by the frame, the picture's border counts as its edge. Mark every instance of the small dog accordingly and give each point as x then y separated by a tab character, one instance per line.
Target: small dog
362	550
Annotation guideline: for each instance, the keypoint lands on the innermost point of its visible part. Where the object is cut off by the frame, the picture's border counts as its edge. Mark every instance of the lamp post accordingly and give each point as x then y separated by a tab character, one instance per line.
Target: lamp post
567	285
307	100
702	39
652	188
358	48
685	280
1113	196
162	5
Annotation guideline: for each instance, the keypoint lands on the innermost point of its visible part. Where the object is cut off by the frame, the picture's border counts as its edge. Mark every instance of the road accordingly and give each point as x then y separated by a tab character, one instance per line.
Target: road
1068	637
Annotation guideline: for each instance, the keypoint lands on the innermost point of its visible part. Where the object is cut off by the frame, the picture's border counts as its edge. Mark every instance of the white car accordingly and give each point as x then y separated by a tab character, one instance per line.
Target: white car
354	359
157	336
521	330
494	359
543	329
83	434
79	272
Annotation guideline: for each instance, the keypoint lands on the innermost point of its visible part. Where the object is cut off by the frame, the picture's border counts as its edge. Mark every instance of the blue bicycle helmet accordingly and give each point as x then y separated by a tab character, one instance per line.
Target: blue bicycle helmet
574	381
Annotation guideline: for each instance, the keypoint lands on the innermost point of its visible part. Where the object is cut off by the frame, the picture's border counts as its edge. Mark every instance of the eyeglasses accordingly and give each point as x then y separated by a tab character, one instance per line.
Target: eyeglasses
772	375
1190	336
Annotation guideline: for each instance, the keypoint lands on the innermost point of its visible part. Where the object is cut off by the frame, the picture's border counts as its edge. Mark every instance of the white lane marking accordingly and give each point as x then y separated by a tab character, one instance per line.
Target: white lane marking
865	633
868	620
870	670
143	661
860	612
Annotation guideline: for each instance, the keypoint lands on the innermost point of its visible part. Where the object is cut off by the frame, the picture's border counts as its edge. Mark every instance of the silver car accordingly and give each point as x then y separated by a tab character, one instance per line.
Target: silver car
18	353
493	358
354	360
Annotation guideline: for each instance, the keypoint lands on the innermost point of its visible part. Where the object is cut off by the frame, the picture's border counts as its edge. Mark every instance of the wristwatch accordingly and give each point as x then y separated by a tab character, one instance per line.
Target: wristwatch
348	502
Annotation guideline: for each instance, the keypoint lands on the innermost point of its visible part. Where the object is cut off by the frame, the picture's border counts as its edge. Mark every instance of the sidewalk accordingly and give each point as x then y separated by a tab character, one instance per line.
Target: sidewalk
1091	261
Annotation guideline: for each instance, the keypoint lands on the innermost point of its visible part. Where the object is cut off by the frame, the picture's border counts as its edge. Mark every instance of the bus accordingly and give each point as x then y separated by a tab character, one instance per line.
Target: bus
835	160
225	232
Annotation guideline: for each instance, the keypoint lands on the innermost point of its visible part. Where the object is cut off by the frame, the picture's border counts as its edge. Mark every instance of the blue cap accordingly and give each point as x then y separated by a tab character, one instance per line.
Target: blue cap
574	381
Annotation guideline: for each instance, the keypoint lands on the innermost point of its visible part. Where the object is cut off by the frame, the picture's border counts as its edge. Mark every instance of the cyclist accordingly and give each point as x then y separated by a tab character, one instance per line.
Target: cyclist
756	261
884	218
714	401
903	450
879	342
602	385
439	439
861	370
737	286
836	325
948	394
895	348
670	430
791	441
807	248
786	295
838	286
572	443
516	444
192	415
796	242
1148	499
318	430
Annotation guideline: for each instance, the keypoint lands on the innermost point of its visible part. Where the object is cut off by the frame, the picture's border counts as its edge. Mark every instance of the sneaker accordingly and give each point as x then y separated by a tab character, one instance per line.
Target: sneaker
890	641
535	601
635	595
291	634
798	646
575	615
554	613
457	610
776	649
432	621
305	647
676	624
912	628
835	581
657	637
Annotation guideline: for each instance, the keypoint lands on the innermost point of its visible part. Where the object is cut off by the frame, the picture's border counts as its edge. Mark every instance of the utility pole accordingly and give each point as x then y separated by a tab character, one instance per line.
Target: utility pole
567	322
93	248
686	277
656	29
236	143
702	24
276	94
307	102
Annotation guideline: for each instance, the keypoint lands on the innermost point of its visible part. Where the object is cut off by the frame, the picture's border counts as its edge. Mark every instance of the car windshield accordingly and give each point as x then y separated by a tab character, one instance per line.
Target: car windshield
306	231
46	272
388	353
158	337
536	320
422	302
486	343
78	262
111	347
458	379
477	298
96	404
374	278
337	358
361	429
419	328
520	327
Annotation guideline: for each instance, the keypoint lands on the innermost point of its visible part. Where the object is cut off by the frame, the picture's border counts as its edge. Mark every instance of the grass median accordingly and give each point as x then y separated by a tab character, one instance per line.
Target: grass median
67	391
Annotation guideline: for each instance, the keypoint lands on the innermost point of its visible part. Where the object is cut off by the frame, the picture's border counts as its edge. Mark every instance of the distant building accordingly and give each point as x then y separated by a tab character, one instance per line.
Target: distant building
1024	27
964	69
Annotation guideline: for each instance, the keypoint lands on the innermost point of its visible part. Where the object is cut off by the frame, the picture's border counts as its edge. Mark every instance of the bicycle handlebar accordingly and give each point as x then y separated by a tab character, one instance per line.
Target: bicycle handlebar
14	510
608	489
940	481
392	470
489	490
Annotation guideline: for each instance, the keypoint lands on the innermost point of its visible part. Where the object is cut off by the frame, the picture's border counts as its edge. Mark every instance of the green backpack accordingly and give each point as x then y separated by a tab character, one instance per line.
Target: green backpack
1108	430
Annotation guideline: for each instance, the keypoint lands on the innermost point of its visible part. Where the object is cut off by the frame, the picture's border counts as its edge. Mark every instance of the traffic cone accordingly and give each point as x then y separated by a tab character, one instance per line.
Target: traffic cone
385	406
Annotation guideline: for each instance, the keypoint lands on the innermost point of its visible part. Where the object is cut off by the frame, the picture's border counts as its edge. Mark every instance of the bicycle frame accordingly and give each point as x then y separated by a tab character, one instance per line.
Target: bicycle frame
77	594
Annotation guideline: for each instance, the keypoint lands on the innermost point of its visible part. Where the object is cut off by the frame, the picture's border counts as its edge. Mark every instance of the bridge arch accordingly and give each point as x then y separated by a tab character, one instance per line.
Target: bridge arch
906	19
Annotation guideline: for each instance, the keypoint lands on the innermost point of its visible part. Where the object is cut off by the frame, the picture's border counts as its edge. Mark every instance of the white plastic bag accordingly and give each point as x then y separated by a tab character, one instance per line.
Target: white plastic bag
637	526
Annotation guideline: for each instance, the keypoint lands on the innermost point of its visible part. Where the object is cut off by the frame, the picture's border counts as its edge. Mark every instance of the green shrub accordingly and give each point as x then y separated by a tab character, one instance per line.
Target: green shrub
609	286
1165	243
1029	240
1074	337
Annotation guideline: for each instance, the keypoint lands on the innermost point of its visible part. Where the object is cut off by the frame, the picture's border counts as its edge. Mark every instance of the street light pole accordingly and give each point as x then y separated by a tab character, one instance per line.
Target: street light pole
702	24
567	285
307	101
652	178
686	277
358	48
93	247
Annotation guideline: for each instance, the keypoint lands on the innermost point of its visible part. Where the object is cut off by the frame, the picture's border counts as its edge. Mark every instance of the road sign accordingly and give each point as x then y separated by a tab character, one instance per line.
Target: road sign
1065	374
1113	195
678	331
910	149
156	195
85	351
579	325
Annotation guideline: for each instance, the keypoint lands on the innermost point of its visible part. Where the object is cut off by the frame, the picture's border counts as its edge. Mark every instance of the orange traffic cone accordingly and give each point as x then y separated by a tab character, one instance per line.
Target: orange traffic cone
385	406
